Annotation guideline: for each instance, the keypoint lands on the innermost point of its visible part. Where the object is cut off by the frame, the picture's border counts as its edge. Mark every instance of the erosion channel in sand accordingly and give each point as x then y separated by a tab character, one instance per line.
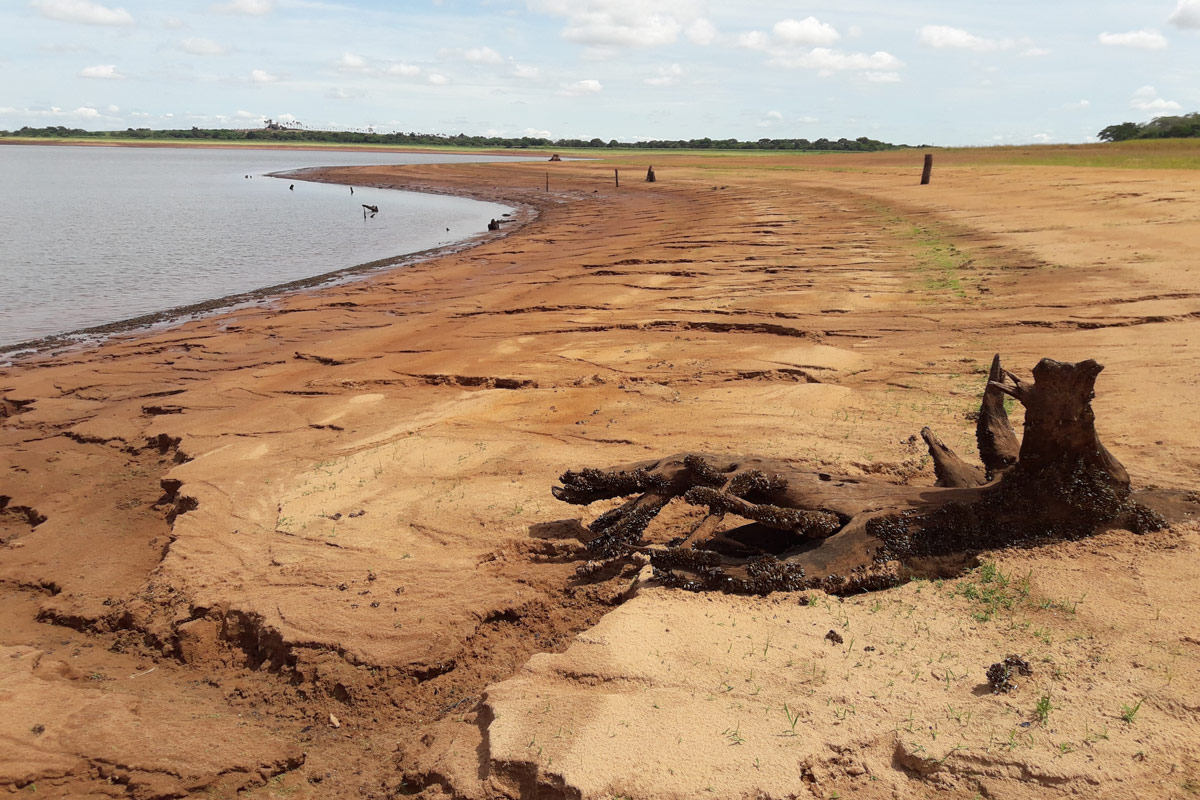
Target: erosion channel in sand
309	549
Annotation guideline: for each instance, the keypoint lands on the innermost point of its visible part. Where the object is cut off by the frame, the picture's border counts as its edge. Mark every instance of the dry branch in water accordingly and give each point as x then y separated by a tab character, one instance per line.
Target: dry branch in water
848	534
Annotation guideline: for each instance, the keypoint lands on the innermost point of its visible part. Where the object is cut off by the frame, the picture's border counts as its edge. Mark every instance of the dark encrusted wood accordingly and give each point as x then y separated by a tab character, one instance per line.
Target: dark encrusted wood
997	441
845	534
950	469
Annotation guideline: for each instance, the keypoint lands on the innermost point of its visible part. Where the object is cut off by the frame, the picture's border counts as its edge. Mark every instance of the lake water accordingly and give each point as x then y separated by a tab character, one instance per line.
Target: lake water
94	235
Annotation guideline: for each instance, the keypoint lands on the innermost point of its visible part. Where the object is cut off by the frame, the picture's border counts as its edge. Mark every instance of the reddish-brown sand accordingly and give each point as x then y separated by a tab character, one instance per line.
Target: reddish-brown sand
310	550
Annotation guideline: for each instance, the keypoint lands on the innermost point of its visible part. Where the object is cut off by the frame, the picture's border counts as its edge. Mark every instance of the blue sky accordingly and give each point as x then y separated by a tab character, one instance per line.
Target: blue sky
947	72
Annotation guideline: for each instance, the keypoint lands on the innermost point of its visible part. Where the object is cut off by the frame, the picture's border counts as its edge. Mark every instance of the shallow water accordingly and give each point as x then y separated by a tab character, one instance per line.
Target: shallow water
93	235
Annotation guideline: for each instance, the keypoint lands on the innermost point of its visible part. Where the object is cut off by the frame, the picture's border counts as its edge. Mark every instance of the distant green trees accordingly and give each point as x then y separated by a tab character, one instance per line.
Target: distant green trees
1186	126
860	144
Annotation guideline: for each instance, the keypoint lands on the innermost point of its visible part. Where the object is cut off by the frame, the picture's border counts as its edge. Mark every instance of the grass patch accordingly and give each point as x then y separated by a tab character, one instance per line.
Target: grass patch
1139	154
1043	708
991	592
940	263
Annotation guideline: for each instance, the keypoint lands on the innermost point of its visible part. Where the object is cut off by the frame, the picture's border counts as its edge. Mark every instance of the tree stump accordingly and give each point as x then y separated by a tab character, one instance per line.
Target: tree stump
805	529
650	175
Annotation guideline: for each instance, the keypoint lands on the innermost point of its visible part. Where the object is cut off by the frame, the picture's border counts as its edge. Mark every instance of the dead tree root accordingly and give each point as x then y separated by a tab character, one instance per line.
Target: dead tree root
797	529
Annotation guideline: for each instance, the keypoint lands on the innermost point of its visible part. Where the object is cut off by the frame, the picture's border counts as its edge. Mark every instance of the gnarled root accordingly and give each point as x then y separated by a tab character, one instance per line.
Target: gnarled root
845	534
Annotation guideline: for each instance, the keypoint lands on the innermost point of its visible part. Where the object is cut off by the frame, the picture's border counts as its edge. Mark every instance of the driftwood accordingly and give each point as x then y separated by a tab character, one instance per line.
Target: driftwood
847	534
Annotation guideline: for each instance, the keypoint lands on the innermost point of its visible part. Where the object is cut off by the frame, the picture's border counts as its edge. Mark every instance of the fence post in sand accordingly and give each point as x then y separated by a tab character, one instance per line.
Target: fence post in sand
925	173
616	177
547	181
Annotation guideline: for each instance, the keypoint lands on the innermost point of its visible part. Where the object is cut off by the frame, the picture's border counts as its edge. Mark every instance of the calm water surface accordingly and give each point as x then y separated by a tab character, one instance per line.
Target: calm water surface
92	235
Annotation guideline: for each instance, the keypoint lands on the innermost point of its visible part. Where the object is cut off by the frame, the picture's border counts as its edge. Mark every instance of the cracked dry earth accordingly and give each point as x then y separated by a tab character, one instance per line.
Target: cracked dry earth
310	550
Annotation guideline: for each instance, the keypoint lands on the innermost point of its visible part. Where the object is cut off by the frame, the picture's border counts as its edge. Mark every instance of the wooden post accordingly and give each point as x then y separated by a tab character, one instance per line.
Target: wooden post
547	181
925	173
616	177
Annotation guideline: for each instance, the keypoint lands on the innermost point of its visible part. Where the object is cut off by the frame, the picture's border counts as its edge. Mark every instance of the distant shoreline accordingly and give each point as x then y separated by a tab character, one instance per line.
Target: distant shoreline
244	144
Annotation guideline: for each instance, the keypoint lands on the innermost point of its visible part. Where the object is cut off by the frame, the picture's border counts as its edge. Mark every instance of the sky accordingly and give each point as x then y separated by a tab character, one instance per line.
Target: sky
940	72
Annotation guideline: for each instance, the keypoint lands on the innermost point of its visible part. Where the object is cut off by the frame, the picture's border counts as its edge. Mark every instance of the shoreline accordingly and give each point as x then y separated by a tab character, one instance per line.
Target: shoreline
20	352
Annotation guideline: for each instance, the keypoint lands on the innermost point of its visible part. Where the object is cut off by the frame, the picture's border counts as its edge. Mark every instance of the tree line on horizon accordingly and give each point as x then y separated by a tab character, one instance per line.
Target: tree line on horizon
1186	126
861	144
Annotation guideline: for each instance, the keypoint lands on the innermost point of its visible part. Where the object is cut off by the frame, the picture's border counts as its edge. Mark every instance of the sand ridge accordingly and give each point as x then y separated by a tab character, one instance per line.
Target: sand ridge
340	504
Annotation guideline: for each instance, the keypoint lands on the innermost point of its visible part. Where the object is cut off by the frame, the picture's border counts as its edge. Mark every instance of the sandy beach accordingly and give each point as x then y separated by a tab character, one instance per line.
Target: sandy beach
309	550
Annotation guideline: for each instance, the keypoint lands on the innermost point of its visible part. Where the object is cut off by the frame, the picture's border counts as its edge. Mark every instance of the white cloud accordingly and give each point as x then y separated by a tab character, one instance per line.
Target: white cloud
808	31
54	112
667	76
202	47
701	32
1078	105
262	76
602	29
790	45
828	61
584	87
629	23
113	109
1186	14
402	70
1035	52
790	33
174	24
252	8
84	11
1147	99
944	37
438	80
248	115
354	64
475	55
102	72
754	40
349	62
769	119
536	133
525	71
1141	40
483	55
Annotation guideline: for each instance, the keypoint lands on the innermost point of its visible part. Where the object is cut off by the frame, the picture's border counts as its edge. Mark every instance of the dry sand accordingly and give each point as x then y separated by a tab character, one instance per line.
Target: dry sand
310	551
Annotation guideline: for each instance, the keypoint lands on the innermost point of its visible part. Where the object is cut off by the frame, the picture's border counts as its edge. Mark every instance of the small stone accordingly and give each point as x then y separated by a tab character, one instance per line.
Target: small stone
334	722
834	636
